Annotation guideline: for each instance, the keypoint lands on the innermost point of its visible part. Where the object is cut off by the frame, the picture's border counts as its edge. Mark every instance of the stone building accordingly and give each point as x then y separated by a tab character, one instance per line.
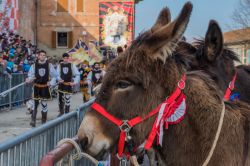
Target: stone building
56	25
239	42
27	19
20	16
62	22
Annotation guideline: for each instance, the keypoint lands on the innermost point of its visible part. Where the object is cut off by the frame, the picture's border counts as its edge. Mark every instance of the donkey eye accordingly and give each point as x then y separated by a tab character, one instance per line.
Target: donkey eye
123	84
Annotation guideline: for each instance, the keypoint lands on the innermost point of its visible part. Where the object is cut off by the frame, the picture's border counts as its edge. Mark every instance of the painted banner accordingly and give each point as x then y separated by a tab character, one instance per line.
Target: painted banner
116	23
81	52
9	15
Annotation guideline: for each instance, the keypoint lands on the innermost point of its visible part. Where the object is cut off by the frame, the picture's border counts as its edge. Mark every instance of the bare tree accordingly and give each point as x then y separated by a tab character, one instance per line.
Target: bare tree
241	15
137	1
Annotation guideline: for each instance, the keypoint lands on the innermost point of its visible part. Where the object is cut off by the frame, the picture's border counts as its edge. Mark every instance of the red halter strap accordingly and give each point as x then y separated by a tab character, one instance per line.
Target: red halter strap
126	125
230	88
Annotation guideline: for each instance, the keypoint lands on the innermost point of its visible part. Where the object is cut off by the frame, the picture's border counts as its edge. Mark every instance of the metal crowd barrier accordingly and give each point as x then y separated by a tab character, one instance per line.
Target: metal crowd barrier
28	149
16	97
20	95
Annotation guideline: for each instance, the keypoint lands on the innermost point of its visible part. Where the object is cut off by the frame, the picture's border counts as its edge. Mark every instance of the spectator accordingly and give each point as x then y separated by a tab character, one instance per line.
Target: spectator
5	57
84	70
119	50
27	64
1	41
10	65
125	46
2	65
110	55
14	49
94	77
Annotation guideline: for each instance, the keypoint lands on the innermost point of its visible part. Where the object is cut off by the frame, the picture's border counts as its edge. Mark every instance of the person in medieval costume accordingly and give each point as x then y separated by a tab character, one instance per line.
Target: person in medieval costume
95	77
44	75
84	71
68	76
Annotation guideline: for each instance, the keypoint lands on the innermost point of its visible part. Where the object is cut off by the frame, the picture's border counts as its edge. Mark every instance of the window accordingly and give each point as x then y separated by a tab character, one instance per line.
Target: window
248	56
62	39
244	55
62	6
79	5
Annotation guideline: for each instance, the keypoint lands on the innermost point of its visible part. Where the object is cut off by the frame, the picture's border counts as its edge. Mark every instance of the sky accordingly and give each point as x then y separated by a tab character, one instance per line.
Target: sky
203	10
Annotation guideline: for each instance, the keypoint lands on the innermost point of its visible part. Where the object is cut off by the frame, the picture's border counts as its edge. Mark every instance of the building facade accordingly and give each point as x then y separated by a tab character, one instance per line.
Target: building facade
239	42
60	23
27	19
18	15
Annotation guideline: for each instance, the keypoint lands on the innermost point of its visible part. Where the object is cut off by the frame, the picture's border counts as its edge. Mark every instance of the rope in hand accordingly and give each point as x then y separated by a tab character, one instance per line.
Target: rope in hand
78	155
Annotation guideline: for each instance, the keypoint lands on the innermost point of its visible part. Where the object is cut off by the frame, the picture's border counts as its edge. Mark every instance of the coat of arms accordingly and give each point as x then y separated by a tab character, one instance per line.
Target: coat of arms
65	70
41	72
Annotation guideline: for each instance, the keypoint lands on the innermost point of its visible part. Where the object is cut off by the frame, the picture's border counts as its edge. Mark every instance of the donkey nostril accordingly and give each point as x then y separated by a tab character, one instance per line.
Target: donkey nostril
84	143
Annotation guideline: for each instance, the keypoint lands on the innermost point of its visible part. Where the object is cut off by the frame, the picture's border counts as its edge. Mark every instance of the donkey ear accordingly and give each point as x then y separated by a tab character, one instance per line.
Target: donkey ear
163	41
163	19
213	41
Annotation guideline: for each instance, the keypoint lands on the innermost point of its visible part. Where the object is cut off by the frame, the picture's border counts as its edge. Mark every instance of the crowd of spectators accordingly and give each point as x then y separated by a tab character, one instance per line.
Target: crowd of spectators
16	53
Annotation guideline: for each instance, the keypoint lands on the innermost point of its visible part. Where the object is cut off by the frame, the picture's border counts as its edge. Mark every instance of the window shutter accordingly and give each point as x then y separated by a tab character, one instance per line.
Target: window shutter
53	39
79	6
62	6
70	39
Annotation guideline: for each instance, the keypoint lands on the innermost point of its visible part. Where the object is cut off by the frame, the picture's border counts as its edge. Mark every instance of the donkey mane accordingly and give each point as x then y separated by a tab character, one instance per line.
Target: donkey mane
184	55
226	53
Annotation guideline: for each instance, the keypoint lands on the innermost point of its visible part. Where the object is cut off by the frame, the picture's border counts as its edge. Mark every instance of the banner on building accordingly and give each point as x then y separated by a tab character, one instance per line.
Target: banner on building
116	23
9	15
81	52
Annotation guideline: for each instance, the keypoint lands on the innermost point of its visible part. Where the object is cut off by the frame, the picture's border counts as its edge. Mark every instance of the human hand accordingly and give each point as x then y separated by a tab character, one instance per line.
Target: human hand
61	81
27	80
85	82
72	84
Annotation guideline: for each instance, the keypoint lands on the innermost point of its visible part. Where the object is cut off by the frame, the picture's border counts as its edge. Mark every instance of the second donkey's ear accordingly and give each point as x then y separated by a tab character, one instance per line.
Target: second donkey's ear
213	41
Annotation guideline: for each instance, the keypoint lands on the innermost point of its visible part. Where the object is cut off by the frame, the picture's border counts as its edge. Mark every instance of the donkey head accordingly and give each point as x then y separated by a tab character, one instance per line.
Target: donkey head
135	83
213	58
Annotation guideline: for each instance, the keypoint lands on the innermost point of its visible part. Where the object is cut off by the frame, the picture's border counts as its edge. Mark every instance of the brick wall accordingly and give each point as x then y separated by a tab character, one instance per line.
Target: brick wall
50	20
27	26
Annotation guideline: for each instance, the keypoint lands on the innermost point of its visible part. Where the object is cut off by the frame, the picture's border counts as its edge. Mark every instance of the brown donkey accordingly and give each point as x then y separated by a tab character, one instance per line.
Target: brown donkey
141	79
217	60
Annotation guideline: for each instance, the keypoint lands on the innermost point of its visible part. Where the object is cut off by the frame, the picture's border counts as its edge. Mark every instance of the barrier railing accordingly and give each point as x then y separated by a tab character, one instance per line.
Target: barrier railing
17	96
27	149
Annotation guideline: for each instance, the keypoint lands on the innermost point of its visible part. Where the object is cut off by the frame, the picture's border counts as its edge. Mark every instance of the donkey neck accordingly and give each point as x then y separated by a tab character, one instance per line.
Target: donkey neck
171	74
192	139
242	83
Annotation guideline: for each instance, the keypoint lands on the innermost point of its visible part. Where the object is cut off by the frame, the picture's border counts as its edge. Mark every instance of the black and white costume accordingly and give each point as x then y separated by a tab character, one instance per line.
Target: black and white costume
67	73
44	76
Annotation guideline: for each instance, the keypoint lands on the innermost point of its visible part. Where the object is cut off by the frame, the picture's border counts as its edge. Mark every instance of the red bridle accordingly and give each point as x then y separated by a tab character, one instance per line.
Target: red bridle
126	125
230	88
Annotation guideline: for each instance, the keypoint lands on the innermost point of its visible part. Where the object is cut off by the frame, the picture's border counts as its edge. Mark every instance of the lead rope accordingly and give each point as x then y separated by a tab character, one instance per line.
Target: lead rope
216	136
78	155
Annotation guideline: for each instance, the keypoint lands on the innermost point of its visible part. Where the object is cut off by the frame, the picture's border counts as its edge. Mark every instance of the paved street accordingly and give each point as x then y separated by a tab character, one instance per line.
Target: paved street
16	121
